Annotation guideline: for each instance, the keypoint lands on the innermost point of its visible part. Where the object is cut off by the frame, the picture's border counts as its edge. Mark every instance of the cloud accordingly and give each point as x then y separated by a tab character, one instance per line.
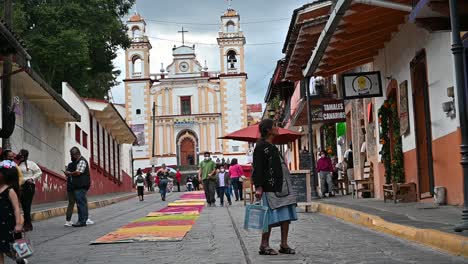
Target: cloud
201	18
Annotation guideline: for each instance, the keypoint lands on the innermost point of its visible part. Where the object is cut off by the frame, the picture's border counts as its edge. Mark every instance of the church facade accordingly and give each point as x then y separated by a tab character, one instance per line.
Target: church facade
192	107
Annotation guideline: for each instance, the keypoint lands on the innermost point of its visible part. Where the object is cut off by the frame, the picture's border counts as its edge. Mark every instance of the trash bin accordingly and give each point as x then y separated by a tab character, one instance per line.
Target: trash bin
440	195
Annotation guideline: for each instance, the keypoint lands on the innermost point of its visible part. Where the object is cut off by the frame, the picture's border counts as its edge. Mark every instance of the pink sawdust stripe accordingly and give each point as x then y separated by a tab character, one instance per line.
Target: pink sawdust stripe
192	196
161	223
198	208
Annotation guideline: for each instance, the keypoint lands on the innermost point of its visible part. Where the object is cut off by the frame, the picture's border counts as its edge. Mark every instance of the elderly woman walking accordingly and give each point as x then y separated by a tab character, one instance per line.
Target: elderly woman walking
273	185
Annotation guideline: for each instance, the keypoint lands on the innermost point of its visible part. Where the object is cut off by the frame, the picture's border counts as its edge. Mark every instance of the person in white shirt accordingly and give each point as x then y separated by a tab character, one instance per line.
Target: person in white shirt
140	183
31	172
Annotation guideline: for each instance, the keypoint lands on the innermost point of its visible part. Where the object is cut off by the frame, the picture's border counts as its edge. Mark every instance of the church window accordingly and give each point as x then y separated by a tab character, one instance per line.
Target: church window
231	59
138	111
185	105
136	32
137	66
230	26
235	148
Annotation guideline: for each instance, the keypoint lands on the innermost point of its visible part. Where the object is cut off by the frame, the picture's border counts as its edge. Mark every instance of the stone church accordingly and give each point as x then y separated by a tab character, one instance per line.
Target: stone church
192	106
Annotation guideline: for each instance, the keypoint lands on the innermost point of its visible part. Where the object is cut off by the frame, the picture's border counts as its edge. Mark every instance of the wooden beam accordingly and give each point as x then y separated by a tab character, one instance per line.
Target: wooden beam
343	68
386	15
348	59
354	49
373	35
367	32
341	45
371	12
440	23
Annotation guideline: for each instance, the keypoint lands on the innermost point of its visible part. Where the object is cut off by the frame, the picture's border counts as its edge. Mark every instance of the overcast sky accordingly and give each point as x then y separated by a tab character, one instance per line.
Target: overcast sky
202	19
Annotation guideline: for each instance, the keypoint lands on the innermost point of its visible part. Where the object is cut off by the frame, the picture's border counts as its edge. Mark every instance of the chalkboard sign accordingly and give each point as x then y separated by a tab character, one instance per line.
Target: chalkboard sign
299	185
304	161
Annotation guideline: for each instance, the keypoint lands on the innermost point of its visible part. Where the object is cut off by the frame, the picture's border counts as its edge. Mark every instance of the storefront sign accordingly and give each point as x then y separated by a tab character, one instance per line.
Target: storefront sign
329	112
184	122
404	117
362	85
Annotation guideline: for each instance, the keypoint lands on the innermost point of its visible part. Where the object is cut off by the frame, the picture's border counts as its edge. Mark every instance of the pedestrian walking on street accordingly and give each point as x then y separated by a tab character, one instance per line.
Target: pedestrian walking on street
149	182
196	184
189	184
222	182
236	172
140	183
206	174
163	174
325	169
81	182
10	215
273	186
178	177
9	156
348	157
31	172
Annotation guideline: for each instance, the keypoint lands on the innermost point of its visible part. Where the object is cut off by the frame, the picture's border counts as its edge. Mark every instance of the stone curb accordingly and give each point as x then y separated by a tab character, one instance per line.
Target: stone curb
453	244
60	211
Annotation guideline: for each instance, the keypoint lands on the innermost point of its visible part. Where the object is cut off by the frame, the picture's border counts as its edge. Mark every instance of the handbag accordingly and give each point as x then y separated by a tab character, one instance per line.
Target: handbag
241	177
22	247
256	218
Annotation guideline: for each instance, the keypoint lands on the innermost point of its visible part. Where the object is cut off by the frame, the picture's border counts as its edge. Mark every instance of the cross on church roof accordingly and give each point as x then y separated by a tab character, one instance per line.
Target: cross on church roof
229	3
183	35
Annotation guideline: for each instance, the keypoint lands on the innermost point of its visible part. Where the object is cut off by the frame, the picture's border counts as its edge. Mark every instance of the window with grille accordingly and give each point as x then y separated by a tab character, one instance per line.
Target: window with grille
185	105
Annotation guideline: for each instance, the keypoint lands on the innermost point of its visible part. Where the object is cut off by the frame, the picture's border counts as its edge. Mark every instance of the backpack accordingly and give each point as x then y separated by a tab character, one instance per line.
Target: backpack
140	179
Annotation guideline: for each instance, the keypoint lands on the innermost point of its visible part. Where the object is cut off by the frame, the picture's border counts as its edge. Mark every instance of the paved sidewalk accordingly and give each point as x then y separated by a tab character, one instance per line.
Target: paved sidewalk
48	210
420	215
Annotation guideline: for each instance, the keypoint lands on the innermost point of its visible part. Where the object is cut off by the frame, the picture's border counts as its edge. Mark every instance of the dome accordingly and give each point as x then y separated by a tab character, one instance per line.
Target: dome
230	13
135	18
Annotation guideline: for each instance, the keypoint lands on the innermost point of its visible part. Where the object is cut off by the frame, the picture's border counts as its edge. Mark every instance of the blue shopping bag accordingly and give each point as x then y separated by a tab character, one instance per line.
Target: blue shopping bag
256	218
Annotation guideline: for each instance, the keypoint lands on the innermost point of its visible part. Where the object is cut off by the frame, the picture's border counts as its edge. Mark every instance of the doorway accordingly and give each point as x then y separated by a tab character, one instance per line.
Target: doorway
422	123
187	151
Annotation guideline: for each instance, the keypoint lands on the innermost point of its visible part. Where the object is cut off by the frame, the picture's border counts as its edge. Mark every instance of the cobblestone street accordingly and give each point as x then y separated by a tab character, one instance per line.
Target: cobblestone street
215	239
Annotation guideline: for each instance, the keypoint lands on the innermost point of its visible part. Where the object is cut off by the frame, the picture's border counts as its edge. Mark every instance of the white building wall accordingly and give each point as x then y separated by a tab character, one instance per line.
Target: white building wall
394	60
73	99
234	105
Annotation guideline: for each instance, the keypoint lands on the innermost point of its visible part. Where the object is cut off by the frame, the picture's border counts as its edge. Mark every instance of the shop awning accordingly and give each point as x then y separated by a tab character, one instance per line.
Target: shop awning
353	36
306	25
27	85
109	117
356	32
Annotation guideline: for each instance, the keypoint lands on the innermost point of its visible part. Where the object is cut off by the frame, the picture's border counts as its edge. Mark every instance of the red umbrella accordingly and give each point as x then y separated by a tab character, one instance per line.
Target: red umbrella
252	134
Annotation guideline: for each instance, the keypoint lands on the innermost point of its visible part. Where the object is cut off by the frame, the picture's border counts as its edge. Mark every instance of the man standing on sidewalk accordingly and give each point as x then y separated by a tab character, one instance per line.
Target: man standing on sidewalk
81	181
206	174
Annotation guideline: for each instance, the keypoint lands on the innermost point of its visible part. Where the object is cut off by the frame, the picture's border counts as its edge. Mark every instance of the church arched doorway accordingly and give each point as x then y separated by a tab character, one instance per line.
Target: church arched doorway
187	142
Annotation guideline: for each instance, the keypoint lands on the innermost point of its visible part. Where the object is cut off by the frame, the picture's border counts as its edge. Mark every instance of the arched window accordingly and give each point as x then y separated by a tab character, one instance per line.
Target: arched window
138	111
137	66
136	32
230	26
231	59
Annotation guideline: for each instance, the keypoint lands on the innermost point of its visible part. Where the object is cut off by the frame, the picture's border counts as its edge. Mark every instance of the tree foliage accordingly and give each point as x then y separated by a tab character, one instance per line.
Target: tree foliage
74	40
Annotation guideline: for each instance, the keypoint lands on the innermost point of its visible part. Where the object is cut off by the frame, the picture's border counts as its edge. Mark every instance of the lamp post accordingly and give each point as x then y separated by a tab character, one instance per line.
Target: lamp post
313	171
457	51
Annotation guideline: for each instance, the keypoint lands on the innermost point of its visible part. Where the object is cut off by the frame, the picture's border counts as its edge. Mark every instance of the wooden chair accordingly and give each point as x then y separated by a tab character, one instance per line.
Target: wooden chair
343	183
366	185
403	192
248	190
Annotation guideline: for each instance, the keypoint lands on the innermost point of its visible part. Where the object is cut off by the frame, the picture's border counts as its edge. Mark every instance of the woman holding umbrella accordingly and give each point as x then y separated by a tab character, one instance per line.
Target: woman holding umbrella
273	186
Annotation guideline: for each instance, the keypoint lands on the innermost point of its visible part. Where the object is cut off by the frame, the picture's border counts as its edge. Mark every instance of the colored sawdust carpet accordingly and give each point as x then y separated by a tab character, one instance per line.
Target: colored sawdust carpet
171	223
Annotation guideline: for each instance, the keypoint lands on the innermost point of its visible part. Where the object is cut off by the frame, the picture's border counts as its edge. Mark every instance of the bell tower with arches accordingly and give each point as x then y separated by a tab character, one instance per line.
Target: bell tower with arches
231	41
137	85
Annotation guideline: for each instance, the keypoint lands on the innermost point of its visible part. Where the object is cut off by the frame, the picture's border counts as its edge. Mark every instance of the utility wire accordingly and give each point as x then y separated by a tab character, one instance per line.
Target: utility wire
216	24
215	44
